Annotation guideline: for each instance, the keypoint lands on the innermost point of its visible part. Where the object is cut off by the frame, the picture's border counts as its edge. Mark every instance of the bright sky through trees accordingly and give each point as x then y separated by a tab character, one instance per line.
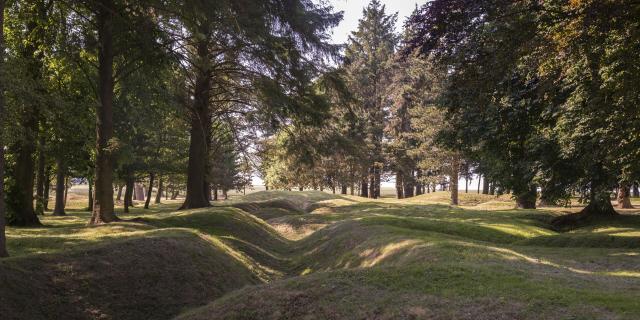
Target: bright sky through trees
353	12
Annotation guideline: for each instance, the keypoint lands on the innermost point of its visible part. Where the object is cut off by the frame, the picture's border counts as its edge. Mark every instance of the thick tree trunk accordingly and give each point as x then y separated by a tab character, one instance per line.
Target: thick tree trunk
200	131
160	190
103	207
599	207
150	190
485	185
364	188
409	186
3	239
60	188
40	178
23	213
526	199
343	189
624	199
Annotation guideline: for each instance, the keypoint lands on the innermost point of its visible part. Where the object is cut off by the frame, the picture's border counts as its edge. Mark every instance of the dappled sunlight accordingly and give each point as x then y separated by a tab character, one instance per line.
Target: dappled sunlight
373	256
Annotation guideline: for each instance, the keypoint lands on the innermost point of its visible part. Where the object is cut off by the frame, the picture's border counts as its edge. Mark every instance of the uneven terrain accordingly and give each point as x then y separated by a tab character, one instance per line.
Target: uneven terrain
314	255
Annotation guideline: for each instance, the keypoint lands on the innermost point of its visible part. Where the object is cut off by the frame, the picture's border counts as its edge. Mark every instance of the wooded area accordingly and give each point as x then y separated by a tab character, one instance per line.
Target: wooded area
160	100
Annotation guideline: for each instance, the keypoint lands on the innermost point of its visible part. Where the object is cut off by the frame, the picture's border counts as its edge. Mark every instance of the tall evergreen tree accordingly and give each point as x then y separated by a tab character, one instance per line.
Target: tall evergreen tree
368	57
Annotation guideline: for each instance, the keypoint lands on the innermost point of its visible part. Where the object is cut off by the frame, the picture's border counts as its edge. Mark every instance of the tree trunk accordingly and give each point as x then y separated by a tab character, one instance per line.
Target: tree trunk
636	190
3	239
60	188
103	207
224	194
527	199
200	131
215	193
67	186
343	189
150	190
399	184
128	193
364	188
160	190
377	182
119	195
90	205
624	199
492	189
175	194
485	185
409	183
479	178
40	178
455	169
139	191
466	184
47	185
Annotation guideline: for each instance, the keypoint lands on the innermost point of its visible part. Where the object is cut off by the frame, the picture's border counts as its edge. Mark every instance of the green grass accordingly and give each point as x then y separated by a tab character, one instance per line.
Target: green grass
387	259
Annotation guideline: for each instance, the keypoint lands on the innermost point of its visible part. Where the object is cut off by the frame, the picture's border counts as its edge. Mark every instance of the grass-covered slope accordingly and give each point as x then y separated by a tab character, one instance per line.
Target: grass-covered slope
423	260
172	262
313	255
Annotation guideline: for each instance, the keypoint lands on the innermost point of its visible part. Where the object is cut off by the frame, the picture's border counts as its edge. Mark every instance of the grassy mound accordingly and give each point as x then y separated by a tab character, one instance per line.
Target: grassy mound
154	276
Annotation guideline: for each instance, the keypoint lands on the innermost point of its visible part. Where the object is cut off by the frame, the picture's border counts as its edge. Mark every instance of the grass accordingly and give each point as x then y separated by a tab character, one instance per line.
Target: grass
293	255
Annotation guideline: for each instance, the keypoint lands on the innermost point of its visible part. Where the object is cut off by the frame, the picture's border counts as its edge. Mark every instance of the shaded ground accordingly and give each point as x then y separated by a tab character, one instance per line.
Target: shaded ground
312	255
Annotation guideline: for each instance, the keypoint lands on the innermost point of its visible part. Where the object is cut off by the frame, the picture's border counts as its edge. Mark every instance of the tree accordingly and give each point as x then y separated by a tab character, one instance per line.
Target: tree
367	56
3	240
252	54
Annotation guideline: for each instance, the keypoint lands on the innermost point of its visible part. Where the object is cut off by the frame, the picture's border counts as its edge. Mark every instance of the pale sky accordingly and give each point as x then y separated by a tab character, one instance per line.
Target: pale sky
353	12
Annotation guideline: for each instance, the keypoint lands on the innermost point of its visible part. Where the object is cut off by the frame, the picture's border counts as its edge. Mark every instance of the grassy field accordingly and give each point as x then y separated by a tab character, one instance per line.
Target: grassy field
314	255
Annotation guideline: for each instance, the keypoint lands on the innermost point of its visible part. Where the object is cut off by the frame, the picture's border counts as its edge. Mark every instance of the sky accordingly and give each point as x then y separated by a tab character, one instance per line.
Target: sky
353	12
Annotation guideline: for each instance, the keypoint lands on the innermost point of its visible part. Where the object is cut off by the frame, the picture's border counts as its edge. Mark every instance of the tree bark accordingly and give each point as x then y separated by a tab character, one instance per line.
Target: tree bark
624	199
67	186
479	178
455	170
3	239
150	191
160	190
40	178
175	194
343	189
485	185
636	190
200	131
399	184
103	207
364	188
215	193
60	187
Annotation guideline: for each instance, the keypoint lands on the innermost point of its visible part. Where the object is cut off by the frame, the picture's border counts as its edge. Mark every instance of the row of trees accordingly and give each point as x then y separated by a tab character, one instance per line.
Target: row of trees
540	99
169	92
